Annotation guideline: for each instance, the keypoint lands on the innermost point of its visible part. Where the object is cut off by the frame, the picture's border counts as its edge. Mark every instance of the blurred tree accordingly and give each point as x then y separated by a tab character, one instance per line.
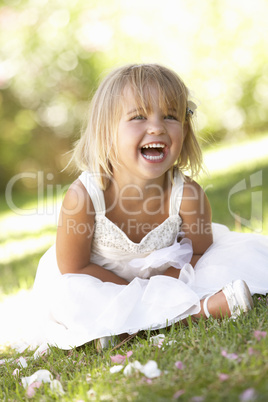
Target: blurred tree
47	75
52	53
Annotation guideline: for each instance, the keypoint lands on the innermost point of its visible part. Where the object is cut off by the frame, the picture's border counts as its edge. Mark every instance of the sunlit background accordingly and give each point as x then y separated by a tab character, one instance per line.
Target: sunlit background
53	54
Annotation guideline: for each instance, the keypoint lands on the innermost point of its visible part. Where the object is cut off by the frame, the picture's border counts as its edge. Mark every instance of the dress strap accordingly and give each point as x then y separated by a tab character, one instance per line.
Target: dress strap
176	193
95	193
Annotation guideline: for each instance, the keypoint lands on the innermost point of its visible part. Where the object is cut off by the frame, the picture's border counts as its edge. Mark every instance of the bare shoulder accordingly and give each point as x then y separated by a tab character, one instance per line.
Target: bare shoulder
194	199
77	198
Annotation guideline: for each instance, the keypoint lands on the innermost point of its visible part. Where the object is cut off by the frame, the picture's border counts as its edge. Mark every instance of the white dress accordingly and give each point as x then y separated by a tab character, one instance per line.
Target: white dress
77	308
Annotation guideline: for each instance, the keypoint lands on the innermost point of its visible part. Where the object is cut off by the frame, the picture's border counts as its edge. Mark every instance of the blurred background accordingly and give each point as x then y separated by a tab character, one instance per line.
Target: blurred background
53	54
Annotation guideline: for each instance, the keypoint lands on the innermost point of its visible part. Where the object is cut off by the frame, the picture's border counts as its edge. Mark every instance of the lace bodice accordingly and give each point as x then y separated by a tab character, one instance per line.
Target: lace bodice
110	240
109	236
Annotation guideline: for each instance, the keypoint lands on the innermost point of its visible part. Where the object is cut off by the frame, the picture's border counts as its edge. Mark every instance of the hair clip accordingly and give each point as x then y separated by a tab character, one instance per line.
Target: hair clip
191	107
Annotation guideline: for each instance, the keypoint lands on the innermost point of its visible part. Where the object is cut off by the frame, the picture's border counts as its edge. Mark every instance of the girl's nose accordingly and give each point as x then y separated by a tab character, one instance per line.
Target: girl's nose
156	128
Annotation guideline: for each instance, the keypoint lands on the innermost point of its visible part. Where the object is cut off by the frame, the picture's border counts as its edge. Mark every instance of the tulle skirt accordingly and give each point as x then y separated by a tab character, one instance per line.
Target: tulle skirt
72	309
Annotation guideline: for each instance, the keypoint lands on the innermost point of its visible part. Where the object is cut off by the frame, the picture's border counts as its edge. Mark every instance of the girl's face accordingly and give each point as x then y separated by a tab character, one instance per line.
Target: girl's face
148	143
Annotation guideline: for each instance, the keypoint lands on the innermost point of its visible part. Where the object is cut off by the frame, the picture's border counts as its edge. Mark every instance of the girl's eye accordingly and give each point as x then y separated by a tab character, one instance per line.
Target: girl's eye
139	117
171	117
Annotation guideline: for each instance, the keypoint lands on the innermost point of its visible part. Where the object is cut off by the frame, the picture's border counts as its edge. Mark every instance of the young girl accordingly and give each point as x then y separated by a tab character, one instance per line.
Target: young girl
135	247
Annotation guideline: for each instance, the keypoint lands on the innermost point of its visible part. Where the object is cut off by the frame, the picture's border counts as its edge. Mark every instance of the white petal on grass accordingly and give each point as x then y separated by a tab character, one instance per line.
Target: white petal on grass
91	393
155	340
42	350
56	387
39	375
151	370
88	378
132	368
22	362
172	342
116	369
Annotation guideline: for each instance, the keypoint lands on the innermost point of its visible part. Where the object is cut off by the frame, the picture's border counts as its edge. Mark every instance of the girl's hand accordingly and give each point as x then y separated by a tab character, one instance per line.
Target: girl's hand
173	272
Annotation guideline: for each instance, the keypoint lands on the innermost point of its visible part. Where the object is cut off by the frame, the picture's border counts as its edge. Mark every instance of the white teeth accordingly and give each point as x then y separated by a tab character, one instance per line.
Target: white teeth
154	158
155	145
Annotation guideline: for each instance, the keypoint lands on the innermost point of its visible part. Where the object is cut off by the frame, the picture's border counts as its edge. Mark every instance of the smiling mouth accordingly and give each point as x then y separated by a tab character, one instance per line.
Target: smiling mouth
154	151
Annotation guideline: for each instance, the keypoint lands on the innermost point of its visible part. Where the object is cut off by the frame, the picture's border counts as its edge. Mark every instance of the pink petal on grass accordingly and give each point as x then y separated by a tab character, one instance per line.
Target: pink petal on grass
179	365
118	359
223	377
230	356
248	395
260	334
31	389
147	380
160	344
251	351
178	394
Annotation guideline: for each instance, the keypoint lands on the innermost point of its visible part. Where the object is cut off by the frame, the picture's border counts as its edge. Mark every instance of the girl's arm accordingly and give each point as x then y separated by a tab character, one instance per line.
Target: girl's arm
195	212
74	236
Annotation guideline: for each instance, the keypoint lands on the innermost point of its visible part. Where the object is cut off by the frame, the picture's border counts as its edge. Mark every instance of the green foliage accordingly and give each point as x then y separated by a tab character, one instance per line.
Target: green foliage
52	54
48	77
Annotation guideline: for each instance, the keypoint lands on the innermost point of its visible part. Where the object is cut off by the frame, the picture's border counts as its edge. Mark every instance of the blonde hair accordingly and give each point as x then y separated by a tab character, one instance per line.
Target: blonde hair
96	150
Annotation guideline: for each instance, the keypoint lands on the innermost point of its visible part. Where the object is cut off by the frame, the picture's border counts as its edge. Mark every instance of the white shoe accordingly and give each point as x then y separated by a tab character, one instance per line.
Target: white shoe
238	298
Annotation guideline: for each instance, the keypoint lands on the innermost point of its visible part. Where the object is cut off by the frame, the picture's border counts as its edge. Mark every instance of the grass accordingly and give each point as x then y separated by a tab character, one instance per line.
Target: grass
85	374
207	349
242	203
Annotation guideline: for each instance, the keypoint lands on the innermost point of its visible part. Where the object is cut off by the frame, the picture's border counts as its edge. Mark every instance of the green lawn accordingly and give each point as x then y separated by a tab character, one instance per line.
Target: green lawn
249	203
206	360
